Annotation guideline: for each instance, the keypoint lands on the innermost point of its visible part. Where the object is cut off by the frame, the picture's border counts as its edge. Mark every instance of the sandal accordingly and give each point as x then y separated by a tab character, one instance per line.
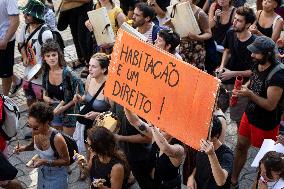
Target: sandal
84	73
83	175
77	64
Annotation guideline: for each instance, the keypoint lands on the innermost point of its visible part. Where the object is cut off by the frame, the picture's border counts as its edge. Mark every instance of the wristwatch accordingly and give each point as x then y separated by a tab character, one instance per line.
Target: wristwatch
49	163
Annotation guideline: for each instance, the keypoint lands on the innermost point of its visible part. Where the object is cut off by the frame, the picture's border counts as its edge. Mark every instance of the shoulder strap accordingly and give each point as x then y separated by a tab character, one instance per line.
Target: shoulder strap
231	15
155	31
30	36
52	136
43	29
259	15
277	68
274	21
97	93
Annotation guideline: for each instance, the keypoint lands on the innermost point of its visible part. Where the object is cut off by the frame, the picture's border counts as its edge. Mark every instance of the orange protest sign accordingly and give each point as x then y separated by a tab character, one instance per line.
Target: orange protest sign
170	93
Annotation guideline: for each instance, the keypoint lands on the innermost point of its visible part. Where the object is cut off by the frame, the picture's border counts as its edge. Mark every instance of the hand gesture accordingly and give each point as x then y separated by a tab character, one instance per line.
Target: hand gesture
17	149
39	162
3	44
48	100
193	36
77	98
253	29
98	183
206	146
191	183
91	115
226	74
89	25
262	184
243	92
280	139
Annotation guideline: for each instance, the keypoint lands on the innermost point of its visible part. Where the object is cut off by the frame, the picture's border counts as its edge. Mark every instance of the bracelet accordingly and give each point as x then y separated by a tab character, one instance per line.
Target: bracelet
49	163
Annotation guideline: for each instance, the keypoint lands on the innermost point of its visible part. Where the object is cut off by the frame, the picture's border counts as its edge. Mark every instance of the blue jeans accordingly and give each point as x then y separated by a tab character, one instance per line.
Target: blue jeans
52	178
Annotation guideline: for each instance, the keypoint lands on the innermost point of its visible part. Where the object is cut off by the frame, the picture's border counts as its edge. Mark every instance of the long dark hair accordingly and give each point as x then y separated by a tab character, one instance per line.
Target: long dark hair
52	46
103	143
273	161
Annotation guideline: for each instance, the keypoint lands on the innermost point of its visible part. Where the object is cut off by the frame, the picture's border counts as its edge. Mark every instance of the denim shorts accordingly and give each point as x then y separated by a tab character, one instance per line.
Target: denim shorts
52	178
63	119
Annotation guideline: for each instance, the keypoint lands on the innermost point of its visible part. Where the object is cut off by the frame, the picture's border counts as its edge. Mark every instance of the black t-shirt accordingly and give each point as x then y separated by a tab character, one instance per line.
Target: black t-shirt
240	56
163	4
133	151
257	115
127	5
204	176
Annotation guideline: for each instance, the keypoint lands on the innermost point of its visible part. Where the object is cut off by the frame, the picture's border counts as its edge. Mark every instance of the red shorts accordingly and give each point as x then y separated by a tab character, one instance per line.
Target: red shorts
254	134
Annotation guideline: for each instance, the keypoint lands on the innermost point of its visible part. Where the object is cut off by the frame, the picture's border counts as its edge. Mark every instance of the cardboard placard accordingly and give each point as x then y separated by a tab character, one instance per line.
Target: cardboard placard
178	13
174	95
102	27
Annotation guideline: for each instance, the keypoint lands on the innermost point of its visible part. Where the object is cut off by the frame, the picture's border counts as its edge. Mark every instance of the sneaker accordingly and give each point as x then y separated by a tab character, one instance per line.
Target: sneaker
16	88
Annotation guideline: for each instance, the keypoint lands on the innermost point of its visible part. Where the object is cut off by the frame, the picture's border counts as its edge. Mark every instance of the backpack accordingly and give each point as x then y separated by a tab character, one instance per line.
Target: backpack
9	117
71	145
155	31
277	68
56	36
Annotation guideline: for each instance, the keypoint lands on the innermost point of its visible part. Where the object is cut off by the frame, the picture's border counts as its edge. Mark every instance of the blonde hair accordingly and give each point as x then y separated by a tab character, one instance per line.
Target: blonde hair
103	60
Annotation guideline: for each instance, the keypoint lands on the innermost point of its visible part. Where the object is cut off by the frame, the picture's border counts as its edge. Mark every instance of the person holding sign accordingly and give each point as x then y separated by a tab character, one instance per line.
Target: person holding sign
214	162
167	154
116	17
192	48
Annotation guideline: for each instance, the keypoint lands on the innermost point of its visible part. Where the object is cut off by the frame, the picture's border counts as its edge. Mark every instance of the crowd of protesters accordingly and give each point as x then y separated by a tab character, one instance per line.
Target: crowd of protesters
235	41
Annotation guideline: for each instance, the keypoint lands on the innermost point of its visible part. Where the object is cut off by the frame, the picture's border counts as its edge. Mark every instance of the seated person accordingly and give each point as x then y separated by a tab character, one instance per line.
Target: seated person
214	162
271	171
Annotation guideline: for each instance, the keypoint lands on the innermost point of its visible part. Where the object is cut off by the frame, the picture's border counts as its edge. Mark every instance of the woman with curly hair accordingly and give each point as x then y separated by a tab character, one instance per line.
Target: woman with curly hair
52	173
60	84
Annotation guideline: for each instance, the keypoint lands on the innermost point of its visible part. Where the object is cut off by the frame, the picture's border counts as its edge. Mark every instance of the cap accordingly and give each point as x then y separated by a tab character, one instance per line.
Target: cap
262	44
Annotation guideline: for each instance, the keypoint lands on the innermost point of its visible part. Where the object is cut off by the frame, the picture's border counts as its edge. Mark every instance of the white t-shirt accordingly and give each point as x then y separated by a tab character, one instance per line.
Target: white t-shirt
275	185
7	8
34	50
148	34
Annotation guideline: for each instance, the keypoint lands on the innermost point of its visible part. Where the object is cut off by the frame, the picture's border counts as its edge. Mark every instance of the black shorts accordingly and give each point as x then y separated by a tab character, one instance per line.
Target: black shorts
7	60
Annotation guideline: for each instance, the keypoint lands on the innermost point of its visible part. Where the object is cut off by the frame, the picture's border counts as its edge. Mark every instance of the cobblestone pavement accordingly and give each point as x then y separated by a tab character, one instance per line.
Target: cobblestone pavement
28	176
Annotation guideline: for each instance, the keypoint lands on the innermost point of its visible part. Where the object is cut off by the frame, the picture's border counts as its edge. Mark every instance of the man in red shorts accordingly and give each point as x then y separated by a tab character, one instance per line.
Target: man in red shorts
262	116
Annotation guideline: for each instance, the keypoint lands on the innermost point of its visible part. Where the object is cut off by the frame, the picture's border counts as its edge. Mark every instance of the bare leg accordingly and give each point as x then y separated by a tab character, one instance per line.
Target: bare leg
240	158
6	83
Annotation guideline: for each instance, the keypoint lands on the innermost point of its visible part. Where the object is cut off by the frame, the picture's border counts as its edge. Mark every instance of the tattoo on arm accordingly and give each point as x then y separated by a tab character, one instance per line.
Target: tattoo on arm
142	127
